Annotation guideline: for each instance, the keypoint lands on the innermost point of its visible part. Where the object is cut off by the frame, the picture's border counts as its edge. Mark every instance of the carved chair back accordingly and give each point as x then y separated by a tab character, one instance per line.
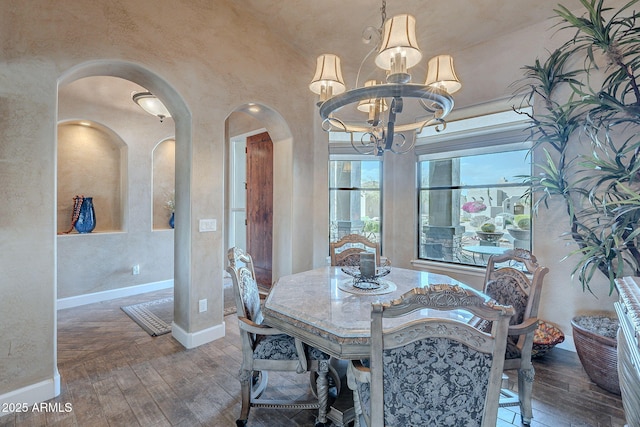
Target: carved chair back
268	349
516	278
417	368
346	251
245	290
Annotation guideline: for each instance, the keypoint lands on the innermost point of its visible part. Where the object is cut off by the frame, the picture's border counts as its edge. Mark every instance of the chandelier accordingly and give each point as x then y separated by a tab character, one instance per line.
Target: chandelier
151	104
374	109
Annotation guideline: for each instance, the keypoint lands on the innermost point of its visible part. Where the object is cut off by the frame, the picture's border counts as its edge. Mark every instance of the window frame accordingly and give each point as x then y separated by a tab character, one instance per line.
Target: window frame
357	158
491	133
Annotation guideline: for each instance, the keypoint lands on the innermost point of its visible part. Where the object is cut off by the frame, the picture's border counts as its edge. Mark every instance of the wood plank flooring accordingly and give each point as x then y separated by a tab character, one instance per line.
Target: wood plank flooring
114	374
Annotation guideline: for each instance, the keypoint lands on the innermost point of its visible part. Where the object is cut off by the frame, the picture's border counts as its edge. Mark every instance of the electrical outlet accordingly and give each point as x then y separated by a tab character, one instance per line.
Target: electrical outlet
135	270
202	305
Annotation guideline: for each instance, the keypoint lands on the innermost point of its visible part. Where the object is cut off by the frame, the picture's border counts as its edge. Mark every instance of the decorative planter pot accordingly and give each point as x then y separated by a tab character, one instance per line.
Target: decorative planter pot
598	353
489	237
87	217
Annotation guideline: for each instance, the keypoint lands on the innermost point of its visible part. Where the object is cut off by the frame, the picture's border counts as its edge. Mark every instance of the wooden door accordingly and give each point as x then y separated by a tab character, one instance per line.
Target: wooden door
260	205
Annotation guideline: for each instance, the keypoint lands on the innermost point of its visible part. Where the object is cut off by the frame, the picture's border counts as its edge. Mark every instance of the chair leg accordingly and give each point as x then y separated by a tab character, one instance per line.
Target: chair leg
246	377
353	386
259	382
357	408
525	392
322	385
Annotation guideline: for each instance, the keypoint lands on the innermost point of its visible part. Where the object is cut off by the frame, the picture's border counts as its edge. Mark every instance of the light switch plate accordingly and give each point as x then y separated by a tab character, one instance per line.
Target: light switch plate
208	225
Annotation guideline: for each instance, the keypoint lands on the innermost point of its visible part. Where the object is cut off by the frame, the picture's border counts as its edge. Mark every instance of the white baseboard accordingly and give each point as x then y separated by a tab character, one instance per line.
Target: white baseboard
26	397
79	300
195	339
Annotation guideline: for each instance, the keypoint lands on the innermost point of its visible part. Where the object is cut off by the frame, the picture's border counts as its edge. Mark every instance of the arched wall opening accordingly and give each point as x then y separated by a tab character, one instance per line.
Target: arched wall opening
181	258
249	119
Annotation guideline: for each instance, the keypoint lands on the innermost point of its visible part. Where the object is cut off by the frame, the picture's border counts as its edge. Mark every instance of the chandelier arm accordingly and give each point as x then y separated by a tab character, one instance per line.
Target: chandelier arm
395	108
443	100
438	124
367	56
330	125
362	143
428	107
399	149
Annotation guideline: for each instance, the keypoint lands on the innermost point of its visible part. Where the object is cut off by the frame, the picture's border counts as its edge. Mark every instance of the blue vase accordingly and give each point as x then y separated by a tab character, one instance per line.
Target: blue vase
87	218
171	220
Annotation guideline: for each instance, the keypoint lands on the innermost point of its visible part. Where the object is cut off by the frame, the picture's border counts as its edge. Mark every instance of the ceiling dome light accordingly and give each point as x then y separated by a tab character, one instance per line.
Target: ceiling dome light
151	104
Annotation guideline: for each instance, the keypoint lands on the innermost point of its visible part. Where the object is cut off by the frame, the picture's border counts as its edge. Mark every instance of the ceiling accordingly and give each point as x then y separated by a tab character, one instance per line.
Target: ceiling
335	26
442	26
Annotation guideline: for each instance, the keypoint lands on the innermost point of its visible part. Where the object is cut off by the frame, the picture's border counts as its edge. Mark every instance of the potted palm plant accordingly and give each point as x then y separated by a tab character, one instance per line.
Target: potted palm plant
585	125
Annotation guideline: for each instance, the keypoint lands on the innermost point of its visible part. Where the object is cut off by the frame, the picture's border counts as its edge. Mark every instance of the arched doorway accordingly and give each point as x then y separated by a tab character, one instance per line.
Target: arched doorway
182	131
251	119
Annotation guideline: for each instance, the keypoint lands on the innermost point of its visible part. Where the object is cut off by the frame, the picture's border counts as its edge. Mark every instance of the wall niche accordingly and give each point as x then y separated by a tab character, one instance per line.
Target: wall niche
164	178
91	163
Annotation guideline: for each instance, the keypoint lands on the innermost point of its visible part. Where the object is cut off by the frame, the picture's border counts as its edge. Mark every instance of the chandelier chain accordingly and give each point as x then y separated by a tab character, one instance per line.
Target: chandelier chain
383	12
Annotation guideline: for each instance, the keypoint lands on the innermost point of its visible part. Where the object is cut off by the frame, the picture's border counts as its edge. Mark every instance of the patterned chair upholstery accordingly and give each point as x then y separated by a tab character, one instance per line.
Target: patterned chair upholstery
432	371
346	251
516	279
267	349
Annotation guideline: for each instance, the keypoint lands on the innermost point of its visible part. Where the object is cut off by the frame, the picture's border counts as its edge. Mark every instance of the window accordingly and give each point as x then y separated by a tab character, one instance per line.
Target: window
355	203
471	206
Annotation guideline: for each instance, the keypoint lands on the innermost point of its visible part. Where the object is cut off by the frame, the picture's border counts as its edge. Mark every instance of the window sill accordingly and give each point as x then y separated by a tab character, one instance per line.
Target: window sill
448	268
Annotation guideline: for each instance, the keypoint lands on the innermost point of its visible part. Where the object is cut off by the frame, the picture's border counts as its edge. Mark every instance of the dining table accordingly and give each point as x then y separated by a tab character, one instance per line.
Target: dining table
326	308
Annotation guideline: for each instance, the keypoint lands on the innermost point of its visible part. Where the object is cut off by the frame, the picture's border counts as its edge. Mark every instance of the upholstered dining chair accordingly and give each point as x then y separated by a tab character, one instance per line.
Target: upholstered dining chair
515	278
432	371
346	251
267	349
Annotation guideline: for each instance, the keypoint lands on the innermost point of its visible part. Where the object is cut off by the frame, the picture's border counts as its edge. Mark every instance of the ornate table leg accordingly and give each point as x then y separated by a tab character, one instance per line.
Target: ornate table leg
322	385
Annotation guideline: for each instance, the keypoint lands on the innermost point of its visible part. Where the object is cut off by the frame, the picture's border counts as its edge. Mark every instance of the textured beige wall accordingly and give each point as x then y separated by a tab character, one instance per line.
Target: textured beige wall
203	74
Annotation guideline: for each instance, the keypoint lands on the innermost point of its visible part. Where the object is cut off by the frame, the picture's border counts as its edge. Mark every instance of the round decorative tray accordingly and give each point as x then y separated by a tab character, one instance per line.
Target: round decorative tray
386	287
363	282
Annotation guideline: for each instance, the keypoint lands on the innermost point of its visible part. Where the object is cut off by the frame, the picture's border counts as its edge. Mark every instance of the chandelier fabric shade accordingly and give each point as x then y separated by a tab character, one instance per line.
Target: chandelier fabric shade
384	128
440	74
151	104
399	49
328	80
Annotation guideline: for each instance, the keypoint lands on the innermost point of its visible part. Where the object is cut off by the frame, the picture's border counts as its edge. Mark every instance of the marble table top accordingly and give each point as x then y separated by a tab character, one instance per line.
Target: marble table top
311	306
